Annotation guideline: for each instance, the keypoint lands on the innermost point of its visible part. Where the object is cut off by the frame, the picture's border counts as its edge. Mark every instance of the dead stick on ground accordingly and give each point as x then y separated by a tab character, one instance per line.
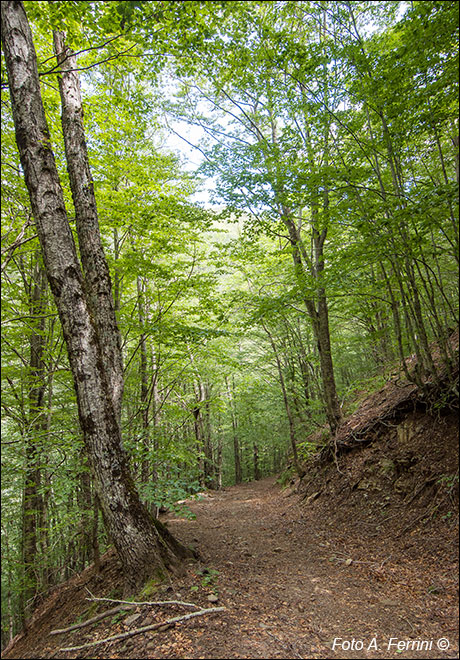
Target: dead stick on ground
157	603
93	619
137	631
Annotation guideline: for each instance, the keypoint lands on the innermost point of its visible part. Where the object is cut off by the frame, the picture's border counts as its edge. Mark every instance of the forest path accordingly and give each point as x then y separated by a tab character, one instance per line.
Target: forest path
289	586
292	576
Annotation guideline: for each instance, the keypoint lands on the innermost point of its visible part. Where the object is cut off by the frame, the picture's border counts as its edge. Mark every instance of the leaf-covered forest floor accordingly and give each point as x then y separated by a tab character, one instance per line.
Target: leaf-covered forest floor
365	548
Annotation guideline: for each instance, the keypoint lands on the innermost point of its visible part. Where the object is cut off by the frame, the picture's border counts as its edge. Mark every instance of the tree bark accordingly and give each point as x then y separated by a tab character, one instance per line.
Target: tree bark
144	547
33	502
144	393
95	268
236	440
85	505
318	314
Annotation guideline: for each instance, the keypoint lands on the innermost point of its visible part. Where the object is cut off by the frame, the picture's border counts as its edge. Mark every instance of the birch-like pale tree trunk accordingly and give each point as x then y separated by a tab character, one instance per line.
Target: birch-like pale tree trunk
94	263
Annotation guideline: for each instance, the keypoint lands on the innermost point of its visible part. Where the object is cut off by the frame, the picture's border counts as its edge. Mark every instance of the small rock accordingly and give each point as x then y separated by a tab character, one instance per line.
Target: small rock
213	598
277	549
131	619
348	562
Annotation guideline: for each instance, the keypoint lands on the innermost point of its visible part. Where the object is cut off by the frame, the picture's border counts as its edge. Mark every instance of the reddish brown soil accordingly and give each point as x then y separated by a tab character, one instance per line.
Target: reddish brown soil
365	550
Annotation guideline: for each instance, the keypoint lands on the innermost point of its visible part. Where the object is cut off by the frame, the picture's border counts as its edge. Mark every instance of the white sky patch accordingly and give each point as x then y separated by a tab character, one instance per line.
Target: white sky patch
186	140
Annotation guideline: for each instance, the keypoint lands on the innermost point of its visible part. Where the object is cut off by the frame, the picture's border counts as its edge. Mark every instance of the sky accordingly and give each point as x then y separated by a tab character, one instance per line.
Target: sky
180	142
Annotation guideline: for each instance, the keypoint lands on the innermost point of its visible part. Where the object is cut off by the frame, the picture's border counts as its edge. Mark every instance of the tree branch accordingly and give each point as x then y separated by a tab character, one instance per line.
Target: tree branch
137	631
156	603
93	619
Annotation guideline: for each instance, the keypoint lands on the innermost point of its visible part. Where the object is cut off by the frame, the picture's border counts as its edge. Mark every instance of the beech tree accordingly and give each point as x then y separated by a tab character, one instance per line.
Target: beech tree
144	546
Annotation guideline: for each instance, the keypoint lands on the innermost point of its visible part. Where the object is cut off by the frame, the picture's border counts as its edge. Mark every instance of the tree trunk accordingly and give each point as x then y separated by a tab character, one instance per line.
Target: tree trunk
33	503
203	431
144	394
209	465
292	434
85	506
327	368
255	454
318	313
219	455
144	547
236	441
95	268
96	555
156	408
198	428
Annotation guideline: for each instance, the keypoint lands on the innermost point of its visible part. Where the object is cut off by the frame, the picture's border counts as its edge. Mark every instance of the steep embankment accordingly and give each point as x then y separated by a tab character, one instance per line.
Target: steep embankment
365	548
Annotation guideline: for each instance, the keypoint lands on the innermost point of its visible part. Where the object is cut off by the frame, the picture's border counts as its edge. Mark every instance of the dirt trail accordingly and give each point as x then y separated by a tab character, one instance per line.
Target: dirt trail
292	581
293	575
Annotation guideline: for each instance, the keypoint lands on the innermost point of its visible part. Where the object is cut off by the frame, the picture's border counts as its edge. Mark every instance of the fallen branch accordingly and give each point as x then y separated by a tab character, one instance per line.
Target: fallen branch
88	622
158	603
137	631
